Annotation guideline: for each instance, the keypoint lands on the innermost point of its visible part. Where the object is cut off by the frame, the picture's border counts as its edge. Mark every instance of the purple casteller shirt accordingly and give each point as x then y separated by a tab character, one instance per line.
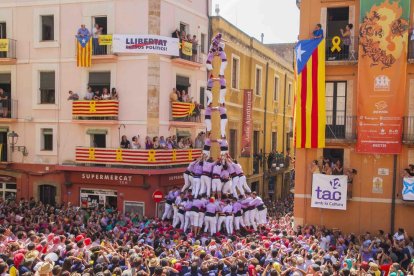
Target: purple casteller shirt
198	203
217	169
223	143
236	207
230	169
198	169
208	111
222	110
225	175
188	205
211	208
207	167
237	169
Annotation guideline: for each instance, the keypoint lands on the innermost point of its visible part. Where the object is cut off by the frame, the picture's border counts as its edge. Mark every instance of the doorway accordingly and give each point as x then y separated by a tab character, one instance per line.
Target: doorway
5	84
3	146
3	34
47	194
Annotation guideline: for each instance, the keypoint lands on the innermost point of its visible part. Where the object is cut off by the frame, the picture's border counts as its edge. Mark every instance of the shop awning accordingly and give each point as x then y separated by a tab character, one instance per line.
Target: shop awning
96	131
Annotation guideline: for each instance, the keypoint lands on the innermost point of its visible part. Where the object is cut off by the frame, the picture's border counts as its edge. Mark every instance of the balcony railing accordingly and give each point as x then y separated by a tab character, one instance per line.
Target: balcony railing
8	110
194	55
137	158
340	49
7	48
340	128
408	130
185	112
100	50
95	110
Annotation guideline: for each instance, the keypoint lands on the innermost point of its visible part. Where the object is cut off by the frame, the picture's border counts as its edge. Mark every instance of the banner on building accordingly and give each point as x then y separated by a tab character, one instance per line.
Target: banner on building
4	45
84	51
182	110
408	188
329	191
187	48
105	40
310	116
247	123
382	75
145	44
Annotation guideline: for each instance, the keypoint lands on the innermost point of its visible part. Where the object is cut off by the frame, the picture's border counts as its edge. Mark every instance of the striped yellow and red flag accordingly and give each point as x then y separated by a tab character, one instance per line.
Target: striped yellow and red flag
84	51
182	110
310	94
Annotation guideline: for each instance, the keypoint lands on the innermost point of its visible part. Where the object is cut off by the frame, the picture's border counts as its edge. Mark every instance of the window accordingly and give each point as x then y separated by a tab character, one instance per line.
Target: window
8	190
235	72
98	140
102	21
276	90
334	155
258	81
47	87
233	143
203	43
182	84
335	101
135	208
184	27
337	19
47	139
202	96
289	94
256	137
100	80
48	26
274	140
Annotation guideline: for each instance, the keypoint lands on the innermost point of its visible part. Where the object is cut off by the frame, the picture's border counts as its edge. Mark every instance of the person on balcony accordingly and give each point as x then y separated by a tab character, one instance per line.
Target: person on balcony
83	31
195	46
97	31
155	143
148	143
135	143
97	95
73	96
163	143
125	144
105	94
317	32
173	95
4	103
346	40
89	94
411	52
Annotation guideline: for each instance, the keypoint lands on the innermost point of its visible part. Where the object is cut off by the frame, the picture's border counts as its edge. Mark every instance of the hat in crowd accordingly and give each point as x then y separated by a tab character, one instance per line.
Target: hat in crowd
78	238
153	262
52	257
56	240
277	267
373	266
45	268
212	199
18	259
31	255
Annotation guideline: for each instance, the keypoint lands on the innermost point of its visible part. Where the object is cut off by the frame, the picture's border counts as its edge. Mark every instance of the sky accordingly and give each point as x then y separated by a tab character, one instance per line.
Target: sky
277	19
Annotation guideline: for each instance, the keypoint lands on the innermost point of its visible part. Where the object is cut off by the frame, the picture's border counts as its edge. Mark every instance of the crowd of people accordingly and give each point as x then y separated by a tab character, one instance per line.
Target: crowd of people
162	142
37	239
95	94
184	37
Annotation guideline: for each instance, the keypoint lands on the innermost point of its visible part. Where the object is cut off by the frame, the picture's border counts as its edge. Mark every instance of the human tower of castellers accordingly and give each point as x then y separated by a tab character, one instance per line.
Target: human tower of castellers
215	192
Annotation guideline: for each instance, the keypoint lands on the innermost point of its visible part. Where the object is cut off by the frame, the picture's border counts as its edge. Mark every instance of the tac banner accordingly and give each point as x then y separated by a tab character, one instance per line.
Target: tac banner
247	123
329	191
382	75
408	188
145	44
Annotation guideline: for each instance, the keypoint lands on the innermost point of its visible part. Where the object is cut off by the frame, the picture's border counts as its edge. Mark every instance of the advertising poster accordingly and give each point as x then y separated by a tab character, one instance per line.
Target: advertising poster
329	191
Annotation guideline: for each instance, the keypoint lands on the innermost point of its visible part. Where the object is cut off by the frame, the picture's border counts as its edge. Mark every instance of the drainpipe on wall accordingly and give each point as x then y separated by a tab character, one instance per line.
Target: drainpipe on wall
264	126
394	190
284	115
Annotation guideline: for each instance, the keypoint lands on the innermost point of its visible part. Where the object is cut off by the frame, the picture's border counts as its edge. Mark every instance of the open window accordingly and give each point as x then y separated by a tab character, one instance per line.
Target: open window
337	19
183	84
97	138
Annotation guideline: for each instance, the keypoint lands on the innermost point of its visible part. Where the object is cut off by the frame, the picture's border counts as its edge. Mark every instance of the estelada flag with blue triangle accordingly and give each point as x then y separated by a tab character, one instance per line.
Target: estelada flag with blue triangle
310	114
84	51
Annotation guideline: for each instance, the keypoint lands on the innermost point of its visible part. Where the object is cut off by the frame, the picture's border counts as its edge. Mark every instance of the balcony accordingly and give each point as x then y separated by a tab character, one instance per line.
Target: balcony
8	113
340	129
408	130
103	110
185	114
192	59
136	158
7	51
101	53
337	53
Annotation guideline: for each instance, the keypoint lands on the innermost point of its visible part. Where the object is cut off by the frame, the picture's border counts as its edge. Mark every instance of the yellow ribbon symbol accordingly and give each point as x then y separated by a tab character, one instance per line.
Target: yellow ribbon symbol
151	156
174	155
336	41
91	154
92	106
190	154
119	155
191	109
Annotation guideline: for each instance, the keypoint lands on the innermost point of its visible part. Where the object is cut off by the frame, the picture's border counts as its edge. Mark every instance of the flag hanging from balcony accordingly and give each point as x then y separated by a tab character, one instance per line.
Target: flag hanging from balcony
182	110
84	51
310	93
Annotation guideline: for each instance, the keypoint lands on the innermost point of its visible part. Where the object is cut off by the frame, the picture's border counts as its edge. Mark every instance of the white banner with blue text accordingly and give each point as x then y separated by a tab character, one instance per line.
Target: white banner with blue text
329	191
145	44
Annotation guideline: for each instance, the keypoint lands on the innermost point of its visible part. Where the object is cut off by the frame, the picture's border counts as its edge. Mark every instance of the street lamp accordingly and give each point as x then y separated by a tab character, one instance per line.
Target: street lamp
13	137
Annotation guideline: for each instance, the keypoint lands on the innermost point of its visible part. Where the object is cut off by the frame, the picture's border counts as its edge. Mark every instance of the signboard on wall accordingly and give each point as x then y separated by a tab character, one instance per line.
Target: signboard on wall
329	191
145	44
247	131
382	73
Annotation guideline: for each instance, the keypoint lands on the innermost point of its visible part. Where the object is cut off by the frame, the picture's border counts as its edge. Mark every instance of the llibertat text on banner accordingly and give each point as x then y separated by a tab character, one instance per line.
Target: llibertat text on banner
382	75
145	44
329	191
247	123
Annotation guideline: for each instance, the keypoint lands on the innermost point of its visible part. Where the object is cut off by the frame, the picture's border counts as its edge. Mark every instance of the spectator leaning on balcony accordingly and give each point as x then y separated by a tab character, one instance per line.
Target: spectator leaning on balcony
135	143
148	143
4	103
173	95
155	143
105	94
163	143
114	94
97	95
317	32
73	96
346	39
83	31
89	94
97	31
125	144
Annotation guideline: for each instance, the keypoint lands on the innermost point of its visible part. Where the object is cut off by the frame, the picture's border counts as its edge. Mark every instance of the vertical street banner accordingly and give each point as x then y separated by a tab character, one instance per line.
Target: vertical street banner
310	119
247	123
329	191
382	65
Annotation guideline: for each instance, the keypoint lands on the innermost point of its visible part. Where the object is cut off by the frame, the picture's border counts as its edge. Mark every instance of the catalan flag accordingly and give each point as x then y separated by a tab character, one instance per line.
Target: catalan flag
310	94
84	51
182	110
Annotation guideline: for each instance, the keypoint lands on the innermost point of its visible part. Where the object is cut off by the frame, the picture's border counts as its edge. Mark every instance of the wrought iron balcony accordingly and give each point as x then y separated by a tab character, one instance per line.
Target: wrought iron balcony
7	51
340	128
342	50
